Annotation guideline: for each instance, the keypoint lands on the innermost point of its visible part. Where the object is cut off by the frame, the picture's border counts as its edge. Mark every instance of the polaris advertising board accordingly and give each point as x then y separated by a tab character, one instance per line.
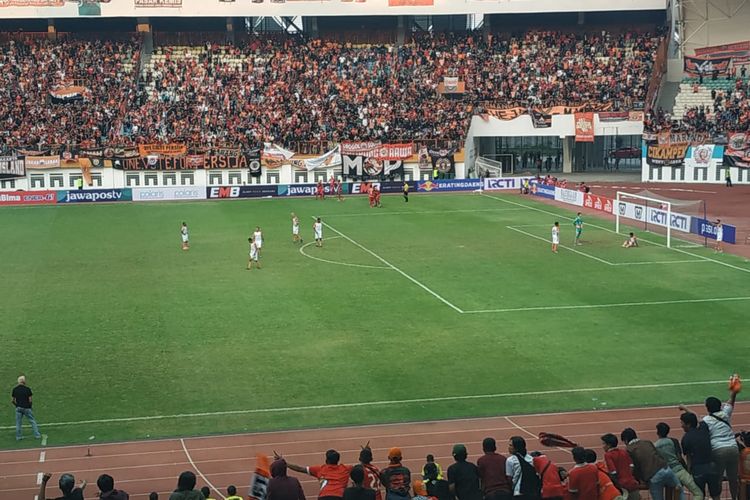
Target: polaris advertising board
95	195
169	193
707	229
504	183
543	190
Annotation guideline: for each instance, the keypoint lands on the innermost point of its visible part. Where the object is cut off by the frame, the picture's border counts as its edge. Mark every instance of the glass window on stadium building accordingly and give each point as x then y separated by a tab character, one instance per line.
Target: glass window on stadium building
519	154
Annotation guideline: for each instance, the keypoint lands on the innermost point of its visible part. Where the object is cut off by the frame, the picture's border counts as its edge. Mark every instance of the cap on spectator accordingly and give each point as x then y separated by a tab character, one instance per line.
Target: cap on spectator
459	449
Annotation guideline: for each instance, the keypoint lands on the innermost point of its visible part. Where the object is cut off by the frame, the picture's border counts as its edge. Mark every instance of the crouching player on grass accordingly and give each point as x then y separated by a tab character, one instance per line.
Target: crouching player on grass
631	242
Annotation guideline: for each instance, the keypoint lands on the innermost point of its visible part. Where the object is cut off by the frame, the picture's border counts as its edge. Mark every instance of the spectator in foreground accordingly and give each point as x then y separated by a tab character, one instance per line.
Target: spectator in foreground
153	496
358	491
583	478
607	489
107	489
281	486
186	488
648	466
519	467
620	467
67	484
696	445
463	476
333	476
430	459
552	487
206	492
491	465
437	488
420	492
232	492
671	451
395	477
372	473
724	450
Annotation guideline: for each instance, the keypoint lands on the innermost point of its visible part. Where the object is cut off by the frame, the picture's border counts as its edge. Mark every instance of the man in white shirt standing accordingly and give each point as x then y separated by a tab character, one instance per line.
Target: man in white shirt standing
295	229
719	236
318	232
555	236
724	450
258	238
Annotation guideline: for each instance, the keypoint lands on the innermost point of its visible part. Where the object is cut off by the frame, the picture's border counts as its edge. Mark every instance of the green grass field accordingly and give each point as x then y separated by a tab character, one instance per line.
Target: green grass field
447	306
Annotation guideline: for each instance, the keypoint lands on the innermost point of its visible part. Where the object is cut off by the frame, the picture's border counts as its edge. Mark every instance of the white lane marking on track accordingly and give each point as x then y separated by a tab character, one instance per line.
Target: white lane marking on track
378	403
513	228
402	273
39	478
190	459
604	306
42	456
302	251
744	270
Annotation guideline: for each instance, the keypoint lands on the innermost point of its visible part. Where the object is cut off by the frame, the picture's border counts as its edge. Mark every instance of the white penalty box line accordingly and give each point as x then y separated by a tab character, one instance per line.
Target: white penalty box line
594	257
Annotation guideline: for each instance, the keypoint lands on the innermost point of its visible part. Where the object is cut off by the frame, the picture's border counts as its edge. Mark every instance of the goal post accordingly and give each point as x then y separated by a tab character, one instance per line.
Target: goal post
652	214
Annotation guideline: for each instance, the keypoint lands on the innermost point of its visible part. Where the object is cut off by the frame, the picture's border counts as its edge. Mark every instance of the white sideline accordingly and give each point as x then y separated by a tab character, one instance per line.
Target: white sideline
381	259
424	212
604	306
335	406
190	459
513	228
726	264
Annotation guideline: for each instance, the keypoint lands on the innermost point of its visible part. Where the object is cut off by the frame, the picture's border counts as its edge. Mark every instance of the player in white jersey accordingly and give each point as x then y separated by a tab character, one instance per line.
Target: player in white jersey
555	236
184	236
719	236
254	254
318	231
631	242
295	229
258	238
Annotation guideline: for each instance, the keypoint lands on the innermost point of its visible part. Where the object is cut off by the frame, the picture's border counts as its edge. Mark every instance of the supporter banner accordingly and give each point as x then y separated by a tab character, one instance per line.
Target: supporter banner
569	196
172	149
158	3
636	116
695	66
737	152
32	3
651	215
32	150
595	202
252	191
614	116
42	162
504	183
515	112
542	190
169	193
449	185
372	149
11	167
327	160
443	160
707	229
423	159
28	198
584	127
274	156
702	156
540	119
363	166
250	160
94	195
672	155
739	52
68	94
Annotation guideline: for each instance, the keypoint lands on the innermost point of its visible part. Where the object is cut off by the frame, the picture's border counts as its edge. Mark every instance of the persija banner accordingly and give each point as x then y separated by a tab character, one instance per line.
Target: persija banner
584	127
695	66
739	51
374	149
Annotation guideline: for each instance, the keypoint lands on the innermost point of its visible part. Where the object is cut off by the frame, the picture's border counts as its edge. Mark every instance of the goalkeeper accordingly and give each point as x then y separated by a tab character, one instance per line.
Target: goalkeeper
578	223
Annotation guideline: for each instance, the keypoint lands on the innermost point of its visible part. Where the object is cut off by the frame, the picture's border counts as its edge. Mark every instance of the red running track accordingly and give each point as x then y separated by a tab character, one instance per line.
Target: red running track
218	461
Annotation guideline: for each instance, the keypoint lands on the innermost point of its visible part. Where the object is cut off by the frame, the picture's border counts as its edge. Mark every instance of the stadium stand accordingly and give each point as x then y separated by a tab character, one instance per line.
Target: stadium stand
308	93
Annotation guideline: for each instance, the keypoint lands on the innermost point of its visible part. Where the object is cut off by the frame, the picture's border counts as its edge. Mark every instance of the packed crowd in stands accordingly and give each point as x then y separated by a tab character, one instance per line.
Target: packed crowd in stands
32	68
292	90
730	112
708	452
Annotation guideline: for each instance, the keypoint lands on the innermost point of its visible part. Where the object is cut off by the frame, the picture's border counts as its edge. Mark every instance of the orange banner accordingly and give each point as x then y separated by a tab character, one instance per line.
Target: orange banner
172	149
584	127
514	112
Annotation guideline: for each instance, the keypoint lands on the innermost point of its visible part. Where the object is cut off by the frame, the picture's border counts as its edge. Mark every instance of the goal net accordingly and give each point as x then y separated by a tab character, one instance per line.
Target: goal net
668	217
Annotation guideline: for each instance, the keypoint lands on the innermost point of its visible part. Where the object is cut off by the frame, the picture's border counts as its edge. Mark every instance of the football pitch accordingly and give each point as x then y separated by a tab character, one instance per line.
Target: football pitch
448	306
